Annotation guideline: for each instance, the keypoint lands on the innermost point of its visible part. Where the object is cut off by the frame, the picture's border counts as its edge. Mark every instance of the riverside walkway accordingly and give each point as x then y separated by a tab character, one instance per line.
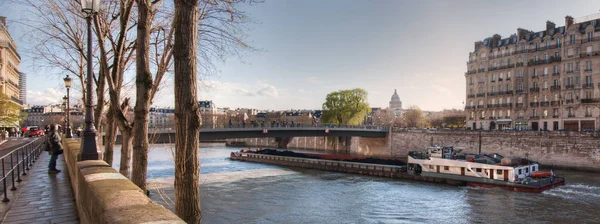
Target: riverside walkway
43	197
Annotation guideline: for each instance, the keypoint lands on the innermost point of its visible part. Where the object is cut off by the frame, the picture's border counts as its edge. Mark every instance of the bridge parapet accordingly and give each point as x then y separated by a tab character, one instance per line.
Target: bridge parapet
103	195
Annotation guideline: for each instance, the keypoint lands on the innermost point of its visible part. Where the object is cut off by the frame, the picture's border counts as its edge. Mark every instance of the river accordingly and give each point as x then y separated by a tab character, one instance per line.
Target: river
243	192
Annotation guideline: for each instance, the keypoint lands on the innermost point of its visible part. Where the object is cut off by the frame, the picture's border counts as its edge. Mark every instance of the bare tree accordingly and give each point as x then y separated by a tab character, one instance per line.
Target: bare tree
187	114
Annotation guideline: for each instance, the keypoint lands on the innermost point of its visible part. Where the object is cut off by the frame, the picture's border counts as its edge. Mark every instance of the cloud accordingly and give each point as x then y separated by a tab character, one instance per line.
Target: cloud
47	96
267	90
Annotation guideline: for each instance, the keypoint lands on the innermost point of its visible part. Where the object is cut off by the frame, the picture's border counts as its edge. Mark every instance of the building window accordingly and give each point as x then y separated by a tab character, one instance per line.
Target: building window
446	168
533	169
558	42
508	75
478	170
535	99
572	39
430	167
545	113
545	70
508	113
507	99
536	58
588	65
537	46
590	36
534	72
548	43
499	172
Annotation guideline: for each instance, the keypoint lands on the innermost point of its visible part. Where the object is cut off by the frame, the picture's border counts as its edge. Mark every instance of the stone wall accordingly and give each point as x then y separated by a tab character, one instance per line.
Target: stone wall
103	195
570	150
353	145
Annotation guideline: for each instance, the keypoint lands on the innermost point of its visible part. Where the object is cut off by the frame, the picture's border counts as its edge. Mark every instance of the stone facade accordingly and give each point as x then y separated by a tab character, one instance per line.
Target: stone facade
576	151
545	80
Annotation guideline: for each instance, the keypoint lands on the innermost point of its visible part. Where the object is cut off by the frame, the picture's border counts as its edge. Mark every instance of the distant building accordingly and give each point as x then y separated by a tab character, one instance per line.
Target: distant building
396	105
543	80
160	118
9	68
23	87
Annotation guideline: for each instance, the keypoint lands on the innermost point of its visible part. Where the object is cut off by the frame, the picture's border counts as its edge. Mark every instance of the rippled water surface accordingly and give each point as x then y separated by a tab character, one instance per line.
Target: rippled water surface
243	192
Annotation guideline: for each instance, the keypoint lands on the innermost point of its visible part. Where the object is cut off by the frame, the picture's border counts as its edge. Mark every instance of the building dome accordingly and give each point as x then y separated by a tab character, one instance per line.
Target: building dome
395	97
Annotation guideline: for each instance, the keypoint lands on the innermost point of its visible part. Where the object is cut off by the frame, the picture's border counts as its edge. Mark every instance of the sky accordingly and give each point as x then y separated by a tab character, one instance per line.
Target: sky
310	48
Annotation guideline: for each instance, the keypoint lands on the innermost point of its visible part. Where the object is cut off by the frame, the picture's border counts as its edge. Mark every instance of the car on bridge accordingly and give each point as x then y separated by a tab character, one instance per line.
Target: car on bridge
34	131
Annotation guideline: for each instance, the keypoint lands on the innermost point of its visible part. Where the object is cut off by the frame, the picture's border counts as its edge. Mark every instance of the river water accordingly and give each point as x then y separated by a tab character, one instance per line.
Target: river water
243	192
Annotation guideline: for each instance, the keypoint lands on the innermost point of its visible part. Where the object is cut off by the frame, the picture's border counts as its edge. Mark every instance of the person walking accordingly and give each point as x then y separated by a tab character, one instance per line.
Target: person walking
54	147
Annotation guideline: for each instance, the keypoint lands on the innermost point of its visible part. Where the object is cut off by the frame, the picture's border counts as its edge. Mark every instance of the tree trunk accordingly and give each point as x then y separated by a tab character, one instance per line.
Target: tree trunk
111	136
143	90
125	153
187	116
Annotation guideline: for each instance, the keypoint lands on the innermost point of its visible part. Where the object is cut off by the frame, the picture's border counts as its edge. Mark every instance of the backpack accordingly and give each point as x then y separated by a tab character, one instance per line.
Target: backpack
46	144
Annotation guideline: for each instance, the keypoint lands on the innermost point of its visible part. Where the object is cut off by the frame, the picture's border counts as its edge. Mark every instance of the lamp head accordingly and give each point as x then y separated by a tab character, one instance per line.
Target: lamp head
67	81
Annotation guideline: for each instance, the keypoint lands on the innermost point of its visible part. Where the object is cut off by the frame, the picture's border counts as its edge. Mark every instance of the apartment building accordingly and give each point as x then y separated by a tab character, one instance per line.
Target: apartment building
544	80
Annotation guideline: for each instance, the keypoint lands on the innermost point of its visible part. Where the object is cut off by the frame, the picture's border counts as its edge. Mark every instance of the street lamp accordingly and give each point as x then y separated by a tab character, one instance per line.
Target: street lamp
68	133
89	147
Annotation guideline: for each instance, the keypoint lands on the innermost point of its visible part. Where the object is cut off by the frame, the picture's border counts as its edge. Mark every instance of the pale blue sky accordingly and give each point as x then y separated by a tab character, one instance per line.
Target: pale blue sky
310	48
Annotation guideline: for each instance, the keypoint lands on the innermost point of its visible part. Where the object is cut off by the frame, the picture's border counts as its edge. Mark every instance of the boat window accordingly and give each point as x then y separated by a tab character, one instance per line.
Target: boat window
498	171
430	167
533	169
520	171
446	168
526	169
478	170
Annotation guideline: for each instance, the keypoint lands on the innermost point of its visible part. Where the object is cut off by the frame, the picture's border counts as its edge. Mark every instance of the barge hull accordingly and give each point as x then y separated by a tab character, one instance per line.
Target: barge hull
390	171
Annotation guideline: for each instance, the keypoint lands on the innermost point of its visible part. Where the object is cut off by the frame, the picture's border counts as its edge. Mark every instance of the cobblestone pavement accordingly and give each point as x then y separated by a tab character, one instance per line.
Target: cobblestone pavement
44	197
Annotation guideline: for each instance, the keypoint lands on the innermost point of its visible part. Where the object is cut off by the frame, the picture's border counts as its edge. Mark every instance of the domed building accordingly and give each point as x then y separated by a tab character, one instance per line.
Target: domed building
396	104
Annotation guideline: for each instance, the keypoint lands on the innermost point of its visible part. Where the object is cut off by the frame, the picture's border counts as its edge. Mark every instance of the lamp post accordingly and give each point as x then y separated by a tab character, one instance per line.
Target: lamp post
68	133
89	147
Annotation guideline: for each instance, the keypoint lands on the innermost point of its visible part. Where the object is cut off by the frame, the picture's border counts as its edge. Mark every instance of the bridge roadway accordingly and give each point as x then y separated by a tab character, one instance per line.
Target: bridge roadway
210	134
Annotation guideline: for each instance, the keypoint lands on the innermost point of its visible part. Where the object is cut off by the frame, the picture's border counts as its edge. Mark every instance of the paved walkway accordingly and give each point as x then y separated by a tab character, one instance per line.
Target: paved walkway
44	198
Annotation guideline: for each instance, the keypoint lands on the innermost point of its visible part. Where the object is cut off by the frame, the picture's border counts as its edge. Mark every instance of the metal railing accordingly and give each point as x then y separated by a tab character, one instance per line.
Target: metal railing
19	159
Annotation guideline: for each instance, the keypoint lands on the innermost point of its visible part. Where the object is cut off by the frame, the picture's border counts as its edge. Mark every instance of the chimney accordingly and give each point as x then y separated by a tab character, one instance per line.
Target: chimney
2	21
568	21
478	44
495	40
550	27
521	33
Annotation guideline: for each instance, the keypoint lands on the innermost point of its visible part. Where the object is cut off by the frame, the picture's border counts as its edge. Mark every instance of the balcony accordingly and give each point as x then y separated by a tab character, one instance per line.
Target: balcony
471	61
571	115
555	116
586	40
588	115
588	85
470	72
571	101
586	101
545	104
480	106
14	99
493	80
507	117
555	103
519	105
520	117
470	95
469	107
570	87
480	94
555	88
499	79
544	61
556	74
492	94
587	70
534	104
481	70
570	72
535	76
591	54
534	117
481	118
505	105
534	89
13	83
518	64
492	117
509	92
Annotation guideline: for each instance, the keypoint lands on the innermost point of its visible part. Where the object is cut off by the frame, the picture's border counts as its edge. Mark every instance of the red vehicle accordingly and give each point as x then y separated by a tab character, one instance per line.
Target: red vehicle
35	132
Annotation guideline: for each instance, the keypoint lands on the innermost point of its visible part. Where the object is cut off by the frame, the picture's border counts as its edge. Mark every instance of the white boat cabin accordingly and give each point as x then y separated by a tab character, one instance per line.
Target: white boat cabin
446	160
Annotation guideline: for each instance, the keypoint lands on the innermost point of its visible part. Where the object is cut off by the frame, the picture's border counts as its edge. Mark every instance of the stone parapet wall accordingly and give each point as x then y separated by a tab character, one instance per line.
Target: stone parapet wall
103	195
569	150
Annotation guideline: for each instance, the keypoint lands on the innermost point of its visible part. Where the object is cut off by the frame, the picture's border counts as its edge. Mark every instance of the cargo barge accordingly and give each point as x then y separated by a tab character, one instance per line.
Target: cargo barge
433	166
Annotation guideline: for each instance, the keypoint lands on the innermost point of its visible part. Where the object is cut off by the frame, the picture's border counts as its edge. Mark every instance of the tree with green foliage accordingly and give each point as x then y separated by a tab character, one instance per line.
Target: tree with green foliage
349	107
10	112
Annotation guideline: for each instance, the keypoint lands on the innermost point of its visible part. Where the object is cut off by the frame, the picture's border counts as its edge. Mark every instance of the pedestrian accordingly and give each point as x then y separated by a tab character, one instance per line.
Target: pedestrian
54	147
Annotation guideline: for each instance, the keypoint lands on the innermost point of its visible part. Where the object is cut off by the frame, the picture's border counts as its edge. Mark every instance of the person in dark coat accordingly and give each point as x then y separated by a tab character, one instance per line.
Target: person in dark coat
54	146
